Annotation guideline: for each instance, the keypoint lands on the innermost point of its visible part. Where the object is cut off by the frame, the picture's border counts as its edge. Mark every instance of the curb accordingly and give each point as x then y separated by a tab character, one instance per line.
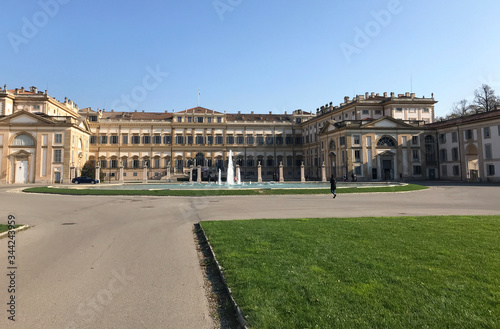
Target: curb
19	229
237	309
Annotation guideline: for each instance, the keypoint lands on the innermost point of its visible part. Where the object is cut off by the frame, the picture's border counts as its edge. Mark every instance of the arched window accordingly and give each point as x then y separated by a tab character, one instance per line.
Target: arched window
386	141
23	140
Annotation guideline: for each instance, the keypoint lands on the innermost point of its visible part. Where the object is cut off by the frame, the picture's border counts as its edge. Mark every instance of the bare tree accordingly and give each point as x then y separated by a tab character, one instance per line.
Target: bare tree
485	99
460	109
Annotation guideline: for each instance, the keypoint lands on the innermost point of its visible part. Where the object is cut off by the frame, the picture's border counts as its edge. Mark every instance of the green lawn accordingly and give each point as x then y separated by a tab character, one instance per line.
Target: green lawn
403	188
405	272
5	228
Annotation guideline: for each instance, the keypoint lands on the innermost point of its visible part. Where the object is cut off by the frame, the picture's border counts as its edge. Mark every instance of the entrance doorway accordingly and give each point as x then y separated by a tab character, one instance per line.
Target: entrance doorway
57	177
21	172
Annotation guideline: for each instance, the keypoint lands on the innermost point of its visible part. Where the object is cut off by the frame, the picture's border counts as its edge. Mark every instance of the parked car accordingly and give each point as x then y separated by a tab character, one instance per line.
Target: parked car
83	179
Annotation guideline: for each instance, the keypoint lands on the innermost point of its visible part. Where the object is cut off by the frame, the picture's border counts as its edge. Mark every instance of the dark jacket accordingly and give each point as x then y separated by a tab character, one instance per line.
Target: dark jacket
333	183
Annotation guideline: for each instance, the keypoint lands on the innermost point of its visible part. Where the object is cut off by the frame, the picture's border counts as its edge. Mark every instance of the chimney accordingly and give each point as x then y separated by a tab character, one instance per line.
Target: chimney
366	95
270	112
372	95
407	94
22	89
239	112
285	112
412	95
385	94
392	94
346	99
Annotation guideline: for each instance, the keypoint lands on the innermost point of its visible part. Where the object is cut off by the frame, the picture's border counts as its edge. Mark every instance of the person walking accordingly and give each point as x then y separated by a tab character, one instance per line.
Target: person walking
333	186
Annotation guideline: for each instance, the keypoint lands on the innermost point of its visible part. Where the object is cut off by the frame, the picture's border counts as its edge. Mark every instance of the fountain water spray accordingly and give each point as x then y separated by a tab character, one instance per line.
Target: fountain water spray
230	169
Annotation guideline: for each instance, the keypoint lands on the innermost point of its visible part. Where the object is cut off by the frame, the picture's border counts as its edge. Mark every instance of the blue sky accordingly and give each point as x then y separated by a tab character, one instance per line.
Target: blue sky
248	55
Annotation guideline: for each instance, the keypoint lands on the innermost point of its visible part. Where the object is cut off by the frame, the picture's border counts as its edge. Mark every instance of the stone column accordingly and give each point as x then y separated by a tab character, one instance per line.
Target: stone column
302	173
282	179
323	172
191	174
259	173
122	180
145	174
198	178
98	172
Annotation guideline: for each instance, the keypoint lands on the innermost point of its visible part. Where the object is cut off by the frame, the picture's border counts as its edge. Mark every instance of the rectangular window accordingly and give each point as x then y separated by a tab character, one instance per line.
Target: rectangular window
156	139
298	140
219	120
167	139
357	170
146	139
124	163
190	139
444	170
134	174
199	119
454	154
486	132
136	139
487	151
399	109
289	140
209	120
124	139
210	140
357	156
58	138
342	140
57	156
104	164
414	140
279	140
356	139
378	112
103	139
456	170
219	139
468	134
135	163
93	118
250	140
260	140
190	119
442	138
230	139
156	163
415	155
298	120
417	170
443	155
114	164
93	139
491	170
240	140
269	140
365	112
179	119
454	137
426	110
114	139
199	139
179	139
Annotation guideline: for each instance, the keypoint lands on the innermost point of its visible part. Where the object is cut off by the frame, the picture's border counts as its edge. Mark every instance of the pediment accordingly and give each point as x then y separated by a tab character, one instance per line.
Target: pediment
387	122
24	119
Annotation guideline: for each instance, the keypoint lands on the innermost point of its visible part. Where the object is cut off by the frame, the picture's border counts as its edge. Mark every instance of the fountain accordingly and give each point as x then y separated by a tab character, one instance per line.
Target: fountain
219	180
230	170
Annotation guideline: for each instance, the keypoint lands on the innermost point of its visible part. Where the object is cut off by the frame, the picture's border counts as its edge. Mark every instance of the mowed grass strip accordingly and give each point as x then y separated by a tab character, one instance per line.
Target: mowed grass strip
222	192
405	272
5	227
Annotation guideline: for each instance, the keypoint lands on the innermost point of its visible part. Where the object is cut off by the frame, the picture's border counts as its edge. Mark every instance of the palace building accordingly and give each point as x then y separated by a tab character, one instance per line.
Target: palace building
374	137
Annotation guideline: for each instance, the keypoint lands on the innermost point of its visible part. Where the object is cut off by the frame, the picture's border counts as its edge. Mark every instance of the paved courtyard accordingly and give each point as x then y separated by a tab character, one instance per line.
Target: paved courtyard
131	262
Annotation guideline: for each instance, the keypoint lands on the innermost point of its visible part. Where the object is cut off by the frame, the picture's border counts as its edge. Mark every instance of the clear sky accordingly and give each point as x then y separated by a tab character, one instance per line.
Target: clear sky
244	55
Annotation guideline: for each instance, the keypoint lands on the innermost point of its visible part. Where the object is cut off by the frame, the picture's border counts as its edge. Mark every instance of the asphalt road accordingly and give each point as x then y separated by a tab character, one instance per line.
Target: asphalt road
131	262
